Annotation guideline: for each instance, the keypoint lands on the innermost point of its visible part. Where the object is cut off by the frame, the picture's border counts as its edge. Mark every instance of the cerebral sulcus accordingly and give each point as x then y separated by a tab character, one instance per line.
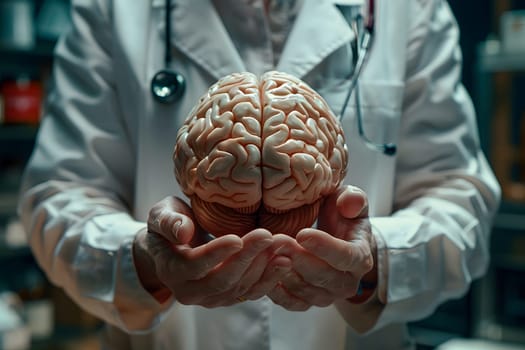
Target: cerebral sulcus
259	152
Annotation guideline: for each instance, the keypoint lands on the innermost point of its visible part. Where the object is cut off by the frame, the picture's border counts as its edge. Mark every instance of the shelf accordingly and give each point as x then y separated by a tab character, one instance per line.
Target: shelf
493	59
13	240
17	141
510	221
8	201
42	51
507	262
489	329
14	252
15	133
512	207
70	338
427	338
14	62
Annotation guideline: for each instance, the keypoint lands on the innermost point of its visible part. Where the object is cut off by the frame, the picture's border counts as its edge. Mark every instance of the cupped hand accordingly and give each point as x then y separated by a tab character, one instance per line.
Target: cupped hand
328	262
175	257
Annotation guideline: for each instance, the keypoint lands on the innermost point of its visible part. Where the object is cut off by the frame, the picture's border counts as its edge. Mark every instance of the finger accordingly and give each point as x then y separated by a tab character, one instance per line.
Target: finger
284	245
225	276
251	287
297	287
318	273
157	246
281	297
188	263
172	219
277	268
253	274
352	202
355	255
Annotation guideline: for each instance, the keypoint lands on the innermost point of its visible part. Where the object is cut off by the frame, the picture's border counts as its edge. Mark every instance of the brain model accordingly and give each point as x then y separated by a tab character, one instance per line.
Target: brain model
259	153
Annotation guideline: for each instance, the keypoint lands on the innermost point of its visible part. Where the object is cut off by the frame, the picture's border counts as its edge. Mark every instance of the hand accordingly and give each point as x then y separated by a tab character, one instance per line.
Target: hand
174	257
328	262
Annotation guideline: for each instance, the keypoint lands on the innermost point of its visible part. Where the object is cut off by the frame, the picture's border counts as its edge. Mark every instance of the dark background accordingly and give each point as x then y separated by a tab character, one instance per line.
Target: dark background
493	309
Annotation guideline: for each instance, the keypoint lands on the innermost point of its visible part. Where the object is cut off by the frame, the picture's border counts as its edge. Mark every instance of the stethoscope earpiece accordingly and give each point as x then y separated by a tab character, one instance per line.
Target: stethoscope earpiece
168	86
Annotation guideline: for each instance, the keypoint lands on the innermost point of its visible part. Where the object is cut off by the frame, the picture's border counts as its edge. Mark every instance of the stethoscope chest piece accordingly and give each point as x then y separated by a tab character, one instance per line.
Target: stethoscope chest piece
168	86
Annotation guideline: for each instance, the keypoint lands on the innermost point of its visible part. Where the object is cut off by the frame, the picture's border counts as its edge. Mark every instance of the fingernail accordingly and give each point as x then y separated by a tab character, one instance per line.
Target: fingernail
354	189
176	229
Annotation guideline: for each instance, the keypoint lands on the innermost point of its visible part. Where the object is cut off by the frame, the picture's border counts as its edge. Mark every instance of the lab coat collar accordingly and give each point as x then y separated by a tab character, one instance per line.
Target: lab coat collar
320	29
205	40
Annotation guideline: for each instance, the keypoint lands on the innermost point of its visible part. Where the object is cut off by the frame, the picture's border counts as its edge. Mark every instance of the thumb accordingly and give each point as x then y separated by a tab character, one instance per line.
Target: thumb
352	202
169	219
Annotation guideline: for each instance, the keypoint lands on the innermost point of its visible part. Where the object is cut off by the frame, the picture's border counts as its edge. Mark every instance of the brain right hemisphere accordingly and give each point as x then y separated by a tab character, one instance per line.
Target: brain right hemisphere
259	153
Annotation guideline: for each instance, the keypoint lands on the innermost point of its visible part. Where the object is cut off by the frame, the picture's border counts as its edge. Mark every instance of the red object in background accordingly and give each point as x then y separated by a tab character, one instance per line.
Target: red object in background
22	101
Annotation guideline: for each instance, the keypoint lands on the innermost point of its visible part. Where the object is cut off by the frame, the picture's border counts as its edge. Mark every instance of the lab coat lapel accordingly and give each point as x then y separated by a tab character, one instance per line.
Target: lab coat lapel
134	18
319	30
198	32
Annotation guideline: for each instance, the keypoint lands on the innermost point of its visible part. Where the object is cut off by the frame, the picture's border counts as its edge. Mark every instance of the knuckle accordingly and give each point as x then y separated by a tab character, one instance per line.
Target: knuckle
189	270
198	274
322	281
245	260
153	217
222	285
186	269
162	267
348	260
243	289
155	209
348	281
166	222
369	264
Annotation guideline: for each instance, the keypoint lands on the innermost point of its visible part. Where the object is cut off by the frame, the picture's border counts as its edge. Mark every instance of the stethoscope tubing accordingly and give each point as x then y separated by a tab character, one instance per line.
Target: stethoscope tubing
363	46
168	86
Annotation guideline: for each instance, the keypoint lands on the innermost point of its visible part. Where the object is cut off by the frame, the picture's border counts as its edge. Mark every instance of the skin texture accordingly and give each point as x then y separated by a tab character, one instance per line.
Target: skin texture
260	160
328	262
174	258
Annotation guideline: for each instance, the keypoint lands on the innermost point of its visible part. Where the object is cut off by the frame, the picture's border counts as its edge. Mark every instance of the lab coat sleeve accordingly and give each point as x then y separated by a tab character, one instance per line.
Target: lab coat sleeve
79	182
437	240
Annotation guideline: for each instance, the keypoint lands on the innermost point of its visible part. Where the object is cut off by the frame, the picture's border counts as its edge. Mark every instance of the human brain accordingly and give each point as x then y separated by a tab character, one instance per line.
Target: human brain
259	152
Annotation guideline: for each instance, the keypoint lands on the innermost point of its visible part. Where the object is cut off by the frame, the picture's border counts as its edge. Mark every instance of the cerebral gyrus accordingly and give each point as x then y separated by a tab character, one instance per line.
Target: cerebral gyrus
259	153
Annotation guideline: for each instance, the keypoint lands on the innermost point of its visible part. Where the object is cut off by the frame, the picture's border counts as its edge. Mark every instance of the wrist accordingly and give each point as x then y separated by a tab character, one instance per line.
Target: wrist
146	270
368	283
364	293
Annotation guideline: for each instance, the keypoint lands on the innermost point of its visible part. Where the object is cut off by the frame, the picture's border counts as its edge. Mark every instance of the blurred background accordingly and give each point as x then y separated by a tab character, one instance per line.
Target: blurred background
36	315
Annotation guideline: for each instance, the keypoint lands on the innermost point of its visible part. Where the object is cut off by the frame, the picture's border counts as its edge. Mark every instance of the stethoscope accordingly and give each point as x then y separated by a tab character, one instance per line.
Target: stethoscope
168	85
364	32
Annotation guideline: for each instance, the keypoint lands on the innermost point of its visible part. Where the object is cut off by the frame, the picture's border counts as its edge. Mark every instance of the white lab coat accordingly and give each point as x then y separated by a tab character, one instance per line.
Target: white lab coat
103	158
